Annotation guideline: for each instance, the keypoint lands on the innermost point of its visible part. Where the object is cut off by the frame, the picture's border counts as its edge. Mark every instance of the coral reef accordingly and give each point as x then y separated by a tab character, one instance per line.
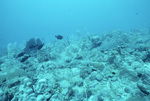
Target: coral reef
112	67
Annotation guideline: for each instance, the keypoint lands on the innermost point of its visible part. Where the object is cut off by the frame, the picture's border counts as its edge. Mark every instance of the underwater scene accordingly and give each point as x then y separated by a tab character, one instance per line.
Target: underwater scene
75	50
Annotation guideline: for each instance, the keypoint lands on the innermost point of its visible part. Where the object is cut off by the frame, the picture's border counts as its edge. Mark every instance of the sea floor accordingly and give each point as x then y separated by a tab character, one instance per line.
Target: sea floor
114	66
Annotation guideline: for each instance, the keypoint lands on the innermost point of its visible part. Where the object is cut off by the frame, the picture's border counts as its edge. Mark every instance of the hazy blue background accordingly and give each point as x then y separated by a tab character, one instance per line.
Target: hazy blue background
23	19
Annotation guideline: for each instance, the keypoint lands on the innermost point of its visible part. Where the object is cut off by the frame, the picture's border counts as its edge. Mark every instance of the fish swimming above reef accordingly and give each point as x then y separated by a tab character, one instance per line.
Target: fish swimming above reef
24	58
59	37
20	54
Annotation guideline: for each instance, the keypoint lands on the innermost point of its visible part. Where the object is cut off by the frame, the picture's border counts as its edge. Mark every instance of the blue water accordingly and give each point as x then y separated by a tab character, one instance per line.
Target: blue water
24	19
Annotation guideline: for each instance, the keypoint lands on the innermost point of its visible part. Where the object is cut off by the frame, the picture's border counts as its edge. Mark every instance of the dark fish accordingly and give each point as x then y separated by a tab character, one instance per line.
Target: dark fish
20	54
40	46
59	37
32	46
24	58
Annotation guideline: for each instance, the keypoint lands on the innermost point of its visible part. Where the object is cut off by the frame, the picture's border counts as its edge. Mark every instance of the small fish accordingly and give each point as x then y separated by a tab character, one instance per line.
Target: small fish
24	58
32	46
40	46
20	54
59	37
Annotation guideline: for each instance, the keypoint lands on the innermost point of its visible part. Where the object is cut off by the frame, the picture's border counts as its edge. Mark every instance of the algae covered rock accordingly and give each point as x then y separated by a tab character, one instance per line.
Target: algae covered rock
96	41
98	65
